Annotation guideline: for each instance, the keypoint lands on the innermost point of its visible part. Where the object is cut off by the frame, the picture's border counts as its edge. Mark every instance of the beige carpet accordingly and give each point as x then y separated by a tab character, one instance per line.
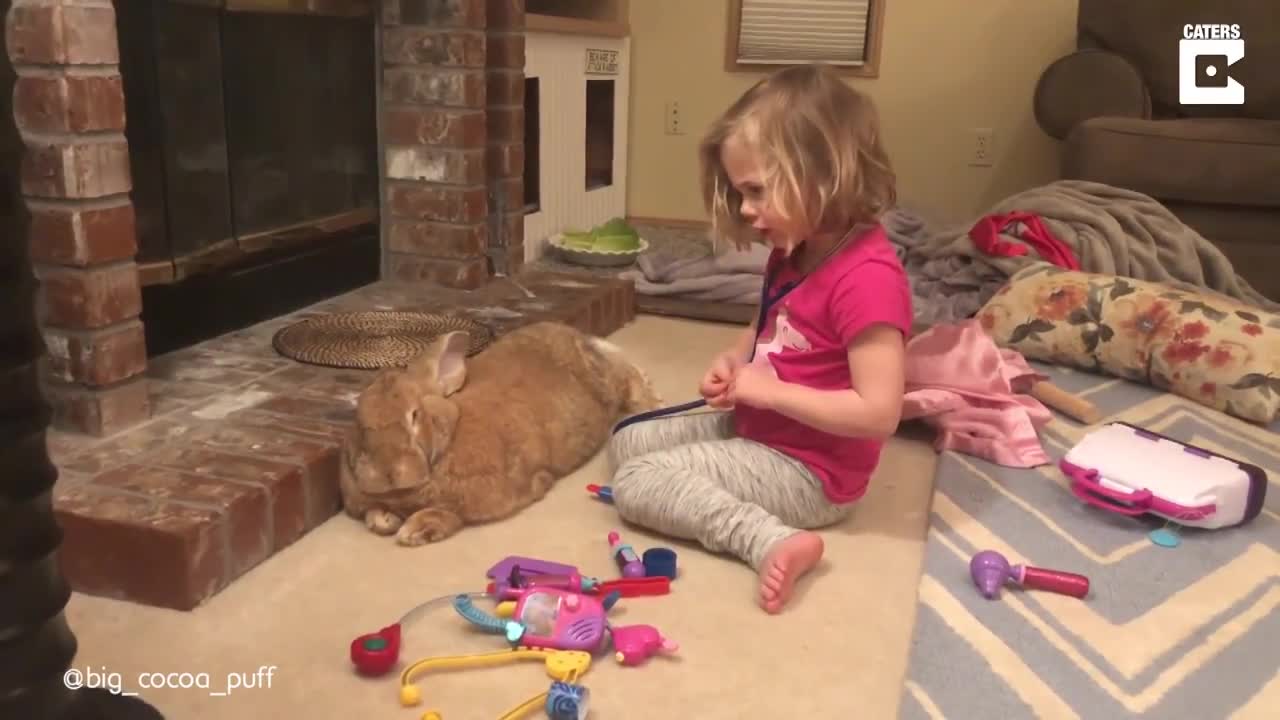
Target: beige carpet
840	651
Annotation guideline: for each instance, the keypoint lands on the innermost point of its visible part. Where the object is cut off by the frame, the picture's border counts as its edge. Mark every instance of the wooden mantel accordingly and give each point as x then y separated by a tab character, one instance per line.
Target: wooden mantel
576	26
600	18
609	19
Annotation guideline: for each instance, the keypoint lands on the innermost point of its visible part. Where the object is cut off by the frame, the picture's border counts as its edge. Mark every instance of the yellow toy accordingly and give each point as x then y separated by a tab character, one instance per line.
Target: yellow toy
565	700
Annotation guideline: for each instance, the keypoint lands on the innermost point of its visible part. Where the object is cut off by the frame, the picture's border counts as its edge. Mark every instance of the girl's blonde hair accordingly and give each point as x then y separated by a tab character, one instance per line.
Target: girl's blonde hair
826	169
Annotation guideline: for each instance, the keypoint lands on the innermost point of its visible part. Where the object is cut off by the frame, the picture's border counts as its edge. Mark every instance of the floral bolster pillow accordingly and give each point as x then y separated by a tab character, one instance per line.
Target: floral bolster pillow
1205	347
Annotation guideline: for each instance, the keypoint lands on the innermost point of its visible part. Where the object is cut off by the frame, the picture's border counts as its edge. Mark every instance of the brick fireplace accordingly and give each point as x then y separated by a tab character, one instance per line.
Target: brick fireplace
181	471
450	111
68	103
453	130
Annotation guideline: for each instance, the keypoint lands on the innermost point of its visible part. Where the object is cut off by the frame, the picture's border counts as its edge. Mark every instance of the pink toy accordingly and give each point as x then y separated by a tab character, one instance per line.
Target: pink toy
559	619
556	619
990	570
637	643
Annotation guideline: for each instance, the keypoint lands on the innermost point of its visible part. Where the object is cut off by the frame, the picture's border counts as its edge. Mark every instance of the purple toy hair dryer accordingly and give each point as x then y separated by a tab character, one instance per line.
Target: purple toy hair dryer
990	570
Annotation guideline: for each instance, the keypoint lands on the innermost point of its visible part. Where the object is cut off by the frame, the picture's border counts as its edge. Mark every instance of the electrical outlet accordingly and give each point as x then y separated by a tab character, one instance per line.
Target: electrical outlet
673	122
983	147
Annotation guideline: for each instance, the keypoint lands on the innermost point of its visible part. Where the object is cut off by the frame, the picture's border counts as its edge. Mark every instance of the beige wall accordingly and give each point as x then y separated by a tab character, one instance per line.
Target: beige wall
946	67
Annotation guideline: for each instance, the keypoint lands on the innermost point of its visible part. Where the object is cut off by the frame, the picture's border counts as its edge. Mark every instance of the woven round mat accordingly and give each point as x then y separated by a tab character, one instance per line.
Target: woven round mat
372	340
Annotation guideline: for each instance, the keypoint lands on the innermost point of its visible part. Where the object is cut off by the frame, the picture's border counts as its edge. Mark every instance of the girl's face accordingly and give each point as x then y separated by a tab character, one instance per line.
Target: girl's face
746	173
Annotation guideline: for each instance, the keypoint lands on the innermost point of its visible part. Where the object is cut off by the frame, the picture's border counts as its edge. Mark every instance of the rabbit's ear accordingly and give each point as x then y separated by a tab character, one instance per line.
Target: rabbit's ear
444	362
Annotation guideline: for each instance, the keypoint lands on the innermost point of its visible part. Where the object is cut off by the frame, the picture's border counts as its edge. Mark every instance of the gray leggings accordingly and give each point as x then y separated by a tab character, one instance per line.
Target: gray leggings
690	477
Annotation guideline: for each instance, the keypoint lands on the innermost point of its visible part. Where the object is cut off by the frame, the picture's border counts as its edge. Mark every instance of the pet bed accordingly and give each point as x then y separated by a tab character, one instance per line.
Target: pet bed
372	340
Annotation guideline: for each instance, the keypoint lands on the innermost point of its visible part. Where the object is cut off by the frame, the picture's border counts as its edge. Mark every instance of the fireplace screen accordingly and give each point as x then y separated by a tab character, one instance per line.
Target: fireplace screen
249	133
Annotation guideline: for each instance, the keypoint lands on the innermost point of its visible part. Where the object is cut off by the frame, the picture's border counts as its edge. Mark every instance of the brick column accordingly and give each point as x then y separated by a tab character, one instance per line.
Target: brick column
433	126
505	122
69	107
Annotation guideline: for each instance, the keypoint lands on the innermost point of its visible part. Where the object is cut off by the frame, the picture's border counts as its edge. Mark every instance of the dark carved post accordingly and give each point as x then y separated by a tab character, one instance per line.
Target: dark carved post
36	645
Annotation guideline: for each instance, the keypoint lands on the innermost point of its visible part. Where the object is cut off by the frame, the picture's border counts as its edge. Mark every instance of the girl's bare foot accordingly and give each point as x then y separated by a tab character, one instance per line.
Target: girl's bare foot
785	564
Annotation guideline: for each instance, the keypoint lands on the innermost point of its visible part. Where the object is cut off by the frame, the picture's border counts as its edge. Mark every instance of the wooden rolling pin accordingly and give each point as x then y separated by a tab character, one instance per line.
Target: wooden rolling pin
1072	406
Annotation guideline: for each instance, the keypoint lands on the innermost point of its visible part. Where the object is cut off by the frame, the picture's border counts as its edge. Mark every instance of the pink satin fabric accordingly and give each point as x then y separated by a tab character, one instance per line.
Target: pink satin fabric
972	392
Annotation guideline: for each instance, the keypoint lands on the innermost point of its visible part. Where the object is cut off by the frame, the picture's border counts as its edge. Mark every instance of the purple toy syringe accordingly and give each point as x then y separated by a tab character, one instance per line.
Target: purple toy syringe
628	562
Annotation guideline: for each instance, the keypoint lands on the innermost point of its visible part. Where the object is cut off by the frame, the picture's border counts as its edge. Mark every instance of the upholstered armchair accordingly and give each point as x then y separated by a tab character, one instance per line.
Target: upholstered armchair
1114	102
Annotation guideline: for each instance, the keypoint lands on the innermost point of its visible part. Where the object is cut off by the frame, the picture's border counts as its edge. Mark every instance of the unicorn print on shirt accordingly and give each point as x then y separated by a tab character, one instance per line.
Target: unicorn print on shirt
785	337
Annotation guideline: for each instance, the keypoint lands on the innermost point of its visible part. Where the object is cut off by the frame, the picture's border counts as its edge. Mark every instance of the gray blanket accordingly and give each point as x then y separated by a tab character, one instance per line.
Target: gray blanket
730	277
1111	231
734	276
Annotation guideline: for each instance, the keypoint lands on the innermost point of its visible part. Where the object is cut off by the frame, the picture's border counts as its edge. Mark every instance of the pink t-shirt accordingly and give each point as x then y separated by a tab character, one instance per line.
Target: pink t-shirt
806	340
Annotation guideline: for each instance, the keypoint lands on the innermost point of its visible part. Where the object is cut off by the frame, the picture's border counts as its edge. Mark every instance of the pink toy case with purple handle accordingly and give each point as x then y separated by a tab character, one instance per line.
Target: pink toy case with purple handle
1128	470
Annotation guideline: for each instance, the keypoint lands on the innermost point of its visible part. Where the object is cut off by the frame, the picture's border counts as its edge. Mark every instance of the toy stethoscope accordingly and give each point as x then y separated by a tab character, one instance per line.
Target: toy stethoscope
376	653
565	699
767	301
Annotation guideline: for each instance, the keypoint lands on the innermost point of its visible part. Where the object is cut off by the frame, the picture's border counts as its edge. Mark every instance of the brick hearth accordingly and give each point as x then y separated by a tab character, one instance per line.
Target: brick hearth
451	114
240	457
180	473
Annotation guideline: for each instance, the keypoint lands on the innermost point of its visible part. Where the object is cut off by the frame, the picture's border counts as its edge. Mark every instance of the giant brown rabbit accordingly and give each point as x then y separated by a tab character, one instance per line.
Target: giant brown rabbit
451	440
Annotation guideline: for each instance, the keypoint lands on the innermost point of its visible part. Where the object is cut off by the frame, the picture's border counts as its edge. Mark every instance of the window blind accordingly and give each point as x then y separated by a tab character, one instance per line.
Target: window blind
791	32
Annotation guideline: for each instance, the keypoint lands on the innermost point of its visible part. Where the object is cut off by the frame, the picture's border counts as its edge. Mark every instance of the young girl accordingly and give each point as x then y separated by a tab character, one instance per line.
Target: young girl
797	430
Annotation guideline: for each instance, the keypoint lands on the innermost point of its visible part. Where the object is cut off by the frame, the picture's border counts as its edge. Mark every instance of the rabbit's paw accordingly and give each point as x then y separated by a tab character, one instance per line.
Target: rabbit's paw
541	482
429	525
382	522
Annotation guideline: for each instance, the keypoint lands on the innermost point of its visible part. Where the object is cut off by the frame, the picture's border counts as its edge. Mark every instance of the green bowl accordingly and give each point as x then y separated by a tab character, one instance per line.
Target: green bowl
596	256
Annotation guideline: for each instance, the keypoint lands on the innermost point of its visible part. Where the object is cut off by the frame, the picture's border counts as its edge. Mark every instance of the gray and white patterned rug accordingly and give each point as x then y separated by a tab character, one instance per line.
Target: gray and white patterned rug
1190	632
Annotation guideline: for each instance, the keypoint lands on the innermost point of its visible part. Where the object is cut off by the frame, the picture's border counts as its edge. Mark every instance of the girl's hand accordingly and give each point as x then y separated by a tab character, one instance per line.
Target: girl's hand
715	384
754	385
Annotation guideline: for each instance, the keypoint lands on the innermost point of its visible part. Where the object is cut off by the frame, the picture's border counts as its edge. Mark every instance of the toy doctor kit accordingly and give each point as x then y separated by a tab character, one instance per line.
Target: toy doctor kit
546	611
1125	469
511	579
